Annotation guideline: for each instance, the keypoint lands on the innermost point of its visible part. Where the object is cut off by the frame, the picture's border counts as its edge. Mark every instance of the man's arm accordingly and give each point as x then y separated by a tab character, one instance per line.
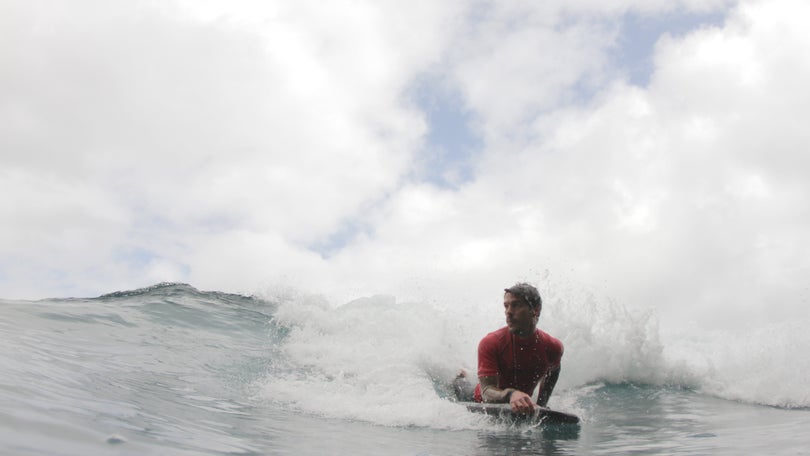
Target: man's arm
490	391
520	401
547	387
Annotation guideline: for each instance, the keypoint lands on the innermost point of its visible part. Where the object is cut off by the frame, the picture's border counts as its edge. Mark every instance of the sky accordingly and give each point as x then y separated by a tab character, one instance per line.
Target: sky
650	152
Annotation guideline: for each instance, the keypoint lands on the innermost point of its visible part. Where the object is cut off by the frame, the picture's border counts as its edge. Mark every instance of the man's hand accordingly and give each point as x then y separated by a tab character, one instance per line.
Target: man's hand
521	403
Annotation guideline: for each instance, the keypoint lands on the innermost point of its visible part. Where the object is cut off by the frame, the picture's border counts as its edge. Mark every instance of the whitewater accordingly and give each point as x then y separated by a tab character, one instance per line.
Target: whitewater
172	370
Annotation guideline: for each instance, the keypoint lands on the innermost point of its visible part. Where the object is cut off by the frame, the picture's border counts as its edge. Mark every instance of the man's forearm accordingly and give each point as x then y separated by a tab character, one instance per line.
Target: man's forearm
547	387
495	394
490	391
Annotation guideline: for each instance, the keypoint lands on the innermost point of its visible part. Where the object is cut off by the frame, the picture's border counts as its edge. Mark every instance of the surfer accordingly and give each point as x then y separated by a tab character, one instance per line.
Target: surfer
513	360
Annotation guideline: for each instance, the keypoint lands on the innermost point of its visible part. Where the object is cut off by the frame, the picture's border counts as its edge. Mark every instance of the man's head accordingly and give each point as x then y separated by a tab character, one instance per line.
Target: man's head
522	305
528	294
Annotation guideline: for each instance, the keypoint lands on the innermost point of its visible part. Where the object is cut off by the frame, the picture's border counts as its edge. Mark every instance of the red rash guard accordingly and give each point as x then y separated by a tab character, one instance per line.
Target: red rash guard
519	362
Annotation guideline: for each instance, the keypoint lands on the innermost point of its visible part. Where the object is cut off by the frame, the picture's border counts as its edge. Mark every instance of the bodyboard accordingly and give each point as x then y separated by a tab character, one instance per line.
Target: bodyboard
541	414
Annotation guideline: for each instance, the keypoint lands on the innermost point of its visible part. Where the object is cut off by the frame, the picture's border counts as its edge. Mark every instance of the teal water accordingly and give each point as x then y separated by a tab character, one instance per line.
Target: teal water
173	370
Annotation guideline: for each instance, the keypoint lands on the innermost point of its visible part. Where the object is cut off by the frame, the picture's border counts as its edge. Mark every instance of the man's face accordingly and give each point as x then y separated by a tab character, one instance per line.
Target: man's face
520	317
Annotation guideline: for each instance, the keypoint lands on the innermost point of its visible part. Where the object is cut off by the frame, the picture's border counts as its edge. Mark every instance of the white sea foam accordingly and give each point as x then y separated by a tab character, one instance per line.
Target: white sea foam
379	360
372	359
766	365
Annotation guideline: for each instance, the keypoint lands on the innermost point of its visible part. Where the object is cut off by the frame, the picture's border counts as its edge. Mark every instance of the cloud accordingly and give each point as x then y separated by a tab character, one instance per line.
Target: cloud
685	196
244	144
192	126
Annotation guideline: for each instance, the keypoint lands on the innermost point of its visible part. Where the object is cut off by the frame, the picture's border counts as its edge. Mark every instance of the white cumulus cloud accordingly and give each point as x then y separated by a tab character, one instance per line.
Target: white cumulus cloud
236	145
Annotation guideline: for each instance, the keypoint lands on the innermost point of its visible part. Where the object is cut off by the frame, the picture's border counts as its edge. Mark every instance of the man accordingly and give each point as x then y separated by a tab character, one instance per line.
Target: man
513	360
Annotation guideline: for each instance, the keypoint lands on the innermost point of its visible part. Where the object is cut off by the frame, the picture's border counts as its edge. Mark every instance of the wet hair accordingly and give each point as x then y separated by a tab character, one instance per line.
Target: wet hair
528	293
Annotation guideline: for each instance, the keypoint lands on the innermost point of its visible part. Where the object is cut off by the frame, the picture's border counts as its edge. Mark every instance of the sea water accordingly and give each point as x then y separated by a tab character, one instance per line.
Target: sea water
171	370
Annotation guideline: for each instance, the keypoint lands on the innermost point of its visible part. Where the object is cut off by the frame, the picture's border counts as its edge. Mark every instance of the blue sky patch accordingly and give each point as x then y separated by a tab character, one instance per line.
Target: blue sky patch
452	143
640	32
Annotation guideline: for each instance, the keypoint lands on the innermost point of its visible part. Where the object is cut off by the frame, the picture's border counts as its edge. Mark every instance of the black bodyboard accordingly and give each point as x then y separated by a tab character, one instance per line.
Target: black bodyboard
541	414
